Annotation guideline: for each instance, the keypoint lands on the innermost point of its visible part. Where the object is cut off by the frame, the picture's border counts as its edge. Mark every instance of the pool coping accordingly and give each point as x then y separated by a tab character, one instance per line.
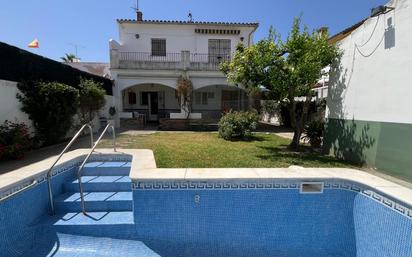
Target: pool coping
144	169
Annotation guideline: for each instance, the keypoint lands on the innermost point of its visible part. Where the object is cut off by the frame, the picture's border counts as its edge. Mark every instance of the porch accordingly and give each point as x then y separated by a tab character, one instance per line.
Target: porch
151	103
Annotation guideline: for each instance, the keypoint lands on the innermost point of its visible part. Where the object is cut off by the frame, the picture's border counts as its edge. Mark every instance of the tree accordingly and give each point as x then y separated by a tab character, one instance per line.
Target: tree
287	69
50	106
91	99
69	58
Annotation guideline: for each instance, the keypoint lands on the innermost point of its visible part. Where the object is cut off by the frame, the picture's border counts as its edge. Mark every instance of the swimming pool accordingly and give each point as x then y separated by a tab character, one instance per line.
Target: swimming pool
166	215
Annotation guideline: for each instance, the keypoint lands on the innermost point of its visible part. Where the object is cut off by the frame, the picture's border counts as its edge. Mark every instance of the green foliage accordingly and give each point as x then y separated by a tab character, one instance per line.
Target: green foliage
50	106
288	69
15	140
69	58
237	125
91	99
314	132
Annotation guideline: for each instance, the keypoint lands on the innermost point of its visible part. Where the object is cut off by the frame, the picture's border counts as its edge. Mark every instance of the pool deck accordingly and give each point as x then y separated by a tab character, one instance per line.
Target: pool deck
144	169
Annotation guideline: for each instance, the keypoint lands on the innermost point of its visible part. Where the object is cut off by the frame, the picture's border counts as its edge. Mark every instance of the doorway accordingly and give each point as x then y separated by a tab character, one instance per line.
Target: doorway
153	100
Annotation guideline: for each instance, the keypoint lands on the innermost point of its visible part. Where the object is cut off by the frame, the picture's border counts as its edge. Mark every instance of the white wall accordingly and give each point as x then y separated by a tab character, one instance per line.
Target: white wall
178	37
375	81
9	105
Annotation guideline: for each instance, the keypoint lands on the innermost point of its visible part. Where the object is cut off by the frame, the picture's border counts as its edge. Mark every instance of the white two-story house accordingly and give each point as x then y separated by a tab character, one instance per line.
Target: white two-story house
151	55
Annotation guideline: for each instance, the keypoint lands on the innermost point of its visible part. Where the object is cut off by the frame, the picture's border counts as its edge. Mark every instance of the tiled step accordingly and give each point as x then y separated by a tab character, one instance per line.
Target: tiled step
106	169
95	201
102	224
100	184
69	245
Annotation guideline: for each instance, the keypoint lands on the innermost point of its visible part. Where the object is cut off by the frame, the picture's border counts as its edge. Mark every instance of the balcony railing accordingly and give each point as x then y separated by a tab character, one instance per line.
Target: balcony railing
184	60
148	57
207	61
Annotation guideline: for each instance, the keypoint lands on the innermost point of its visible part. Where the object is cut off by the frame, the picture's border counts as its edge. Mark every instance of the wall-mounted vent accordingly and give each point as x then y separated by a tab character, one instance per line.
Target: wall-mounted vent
311	187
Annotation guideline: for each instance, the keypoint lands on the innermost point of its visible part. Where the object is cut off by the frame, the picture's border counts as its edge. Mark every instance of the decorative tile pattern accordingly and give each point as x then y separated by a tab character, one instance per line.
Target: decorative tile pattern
273	184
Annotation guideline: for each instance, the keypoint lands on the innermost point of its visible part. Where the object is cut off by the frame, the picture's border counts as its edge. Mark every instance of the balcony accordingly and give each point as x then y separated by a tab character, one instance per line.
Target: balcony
170	61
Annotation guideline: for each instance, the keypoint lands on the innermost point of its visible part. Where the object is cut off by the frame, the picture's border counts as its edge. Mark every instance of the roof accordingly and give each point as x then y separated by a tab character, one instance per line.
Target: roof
346	32
96	68
218	23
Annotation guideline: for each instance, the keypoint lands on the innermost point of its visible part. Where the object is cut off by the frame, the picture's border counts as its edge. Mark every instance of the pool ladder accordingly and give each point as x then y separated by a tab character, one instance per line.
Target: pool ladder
92	147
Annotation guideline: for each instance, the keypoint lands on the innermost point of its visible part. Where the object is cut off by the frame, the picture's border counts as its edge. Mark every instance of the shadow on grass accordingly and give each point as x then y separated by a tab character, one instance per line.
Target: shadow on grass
304	155
253	138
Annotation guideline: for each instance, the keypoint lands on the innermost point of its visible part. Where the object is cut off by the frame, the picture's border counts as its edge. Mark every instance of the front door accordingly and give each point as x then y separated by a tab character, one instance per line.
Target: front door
153	106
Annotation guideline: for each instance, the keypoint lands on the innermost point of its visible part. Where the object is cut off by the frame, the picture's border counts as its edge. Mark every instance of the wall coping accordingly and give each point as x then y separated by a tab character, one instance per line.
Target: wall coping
144	169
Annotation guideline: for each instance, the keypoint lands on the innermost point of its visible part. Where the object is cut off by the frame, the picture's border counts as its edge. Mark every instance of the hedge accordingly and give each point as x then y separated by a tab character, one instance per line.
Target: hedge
20	65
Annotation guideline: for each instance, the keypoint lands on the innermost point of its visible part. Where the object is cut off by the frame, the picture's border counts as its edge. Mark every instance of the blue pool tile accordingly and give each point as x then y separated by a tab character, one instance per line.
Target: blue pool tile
95	218
67	245
95	201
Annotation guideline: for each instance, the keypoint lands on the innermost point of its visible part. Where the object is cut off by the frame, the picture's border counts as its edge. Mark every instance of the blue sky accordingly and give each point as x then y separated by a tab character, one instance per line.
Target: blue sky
91	23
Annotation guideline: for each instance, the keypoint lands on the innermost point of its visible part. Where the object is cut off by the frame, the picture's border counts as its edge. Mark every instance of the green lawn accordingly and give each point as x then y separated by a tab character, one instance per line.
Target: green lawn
207	150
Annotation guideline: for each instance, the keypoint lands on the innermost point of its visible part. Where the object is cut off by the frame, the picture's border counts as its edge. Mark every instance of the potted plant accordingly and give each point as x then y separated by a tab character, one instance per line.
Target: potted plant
112	113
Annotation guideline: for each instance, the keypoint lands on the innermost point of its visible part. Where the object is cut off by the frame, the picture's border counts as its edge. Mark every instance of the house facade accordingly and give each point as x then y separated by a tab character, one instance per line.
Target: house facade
369	99
151	56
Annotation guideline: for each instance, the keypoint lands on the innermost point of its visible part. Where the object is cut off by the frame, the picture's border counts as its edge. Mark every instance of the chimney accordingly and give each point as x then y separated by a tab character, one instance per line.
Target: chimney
139	15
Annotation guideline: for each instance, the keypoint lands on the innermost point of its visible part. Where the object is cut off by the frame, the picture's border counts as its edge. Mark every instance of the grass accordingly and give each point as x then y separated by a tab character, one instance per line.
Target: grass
207	150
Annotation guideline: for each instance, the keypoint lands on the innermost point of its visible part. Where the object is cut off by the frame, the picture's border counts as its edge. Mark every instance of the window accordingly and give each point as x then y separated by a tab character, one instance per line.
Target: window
219	50
144	98
202	97
132	98
158	47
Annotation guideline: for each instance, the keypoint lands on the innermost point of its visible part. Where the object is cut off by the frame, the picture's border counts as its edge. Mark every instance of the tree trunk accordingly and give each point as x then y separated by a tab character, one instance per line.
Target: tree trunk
299	121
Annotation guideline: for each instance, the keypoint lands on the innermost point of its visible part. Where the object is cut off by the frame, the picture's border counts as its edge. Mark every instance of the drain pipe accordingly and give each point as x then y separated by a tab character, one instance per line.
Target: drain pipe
250	35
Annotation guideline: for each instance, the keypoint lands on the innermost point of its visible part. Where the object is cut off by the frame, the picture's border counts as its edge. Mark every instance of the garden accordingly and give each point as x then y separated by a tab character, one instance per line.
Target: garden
208	150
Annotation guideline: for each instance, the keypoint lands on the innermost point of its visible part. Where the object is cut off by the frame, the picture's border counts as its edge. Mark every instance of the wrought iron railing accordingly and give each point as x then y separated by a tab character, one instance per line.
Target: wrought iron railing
195	61
207	61
148	57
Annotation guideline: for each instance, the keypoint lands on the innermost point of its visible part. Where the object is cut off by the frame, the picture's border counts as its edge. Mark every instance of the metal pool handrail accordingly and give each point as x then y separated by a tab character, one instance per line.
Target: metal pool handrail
49	173
79	173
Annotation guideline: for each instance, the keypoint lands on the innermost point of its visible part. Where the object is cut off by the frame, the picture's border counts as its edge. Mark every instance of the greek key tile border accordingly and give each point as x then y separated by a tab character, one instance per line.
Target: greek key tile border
272	185
64	167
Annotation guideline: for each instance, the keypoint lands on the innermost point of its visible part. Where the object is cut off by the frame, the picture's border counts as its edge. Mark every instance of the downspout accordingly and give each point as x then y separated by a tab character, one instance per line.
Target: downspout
250	35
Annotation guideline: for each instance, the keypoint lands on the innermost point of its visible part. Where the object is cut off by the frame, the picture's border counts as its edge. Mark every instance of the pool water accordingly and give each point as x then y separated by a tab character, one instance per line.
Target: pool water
201	218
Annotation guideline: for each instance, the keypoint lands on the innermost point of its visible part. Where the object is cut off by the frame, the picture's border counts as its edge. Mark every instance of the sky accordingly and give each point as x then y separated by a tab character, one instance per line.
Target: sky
59	25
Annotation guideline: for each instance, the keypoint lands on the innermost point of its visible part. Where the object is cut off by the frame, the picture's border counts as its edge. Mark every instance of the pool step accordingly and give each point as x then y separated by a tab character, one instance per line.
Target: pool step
100	184
116	224
95	201
69	245
106	169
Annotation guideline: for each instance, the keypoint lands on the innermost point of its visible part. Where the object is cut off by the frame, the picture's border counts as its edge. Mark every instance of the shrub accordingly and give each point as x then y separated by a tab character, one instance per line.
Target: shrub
51	107
237	124
314	131
14	140
91	99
